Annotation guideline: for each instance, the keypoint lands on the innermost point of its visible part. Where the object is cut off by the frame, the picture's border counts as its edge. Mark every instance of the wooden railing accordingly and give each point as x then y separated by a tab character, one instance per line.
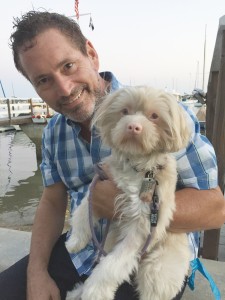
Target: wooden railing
215	126
20	110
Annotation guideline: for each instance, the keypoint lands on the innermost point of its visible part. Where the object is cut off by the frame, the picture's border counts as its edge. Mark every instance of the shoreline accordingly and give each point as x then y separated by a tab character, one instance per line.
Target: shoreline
18	227
28	228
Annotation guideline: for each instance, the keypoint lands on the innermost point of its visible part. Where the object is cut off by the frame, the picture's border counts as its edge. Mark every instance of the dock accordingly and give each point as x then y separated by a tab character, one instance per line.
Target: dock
28	115
15	244
19	111
10	128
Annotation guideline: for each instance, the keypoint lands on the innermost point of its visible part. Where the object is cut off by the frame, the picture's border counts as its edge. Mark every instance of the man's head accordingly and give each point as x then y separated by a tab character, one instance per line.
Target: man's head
30	25
50	50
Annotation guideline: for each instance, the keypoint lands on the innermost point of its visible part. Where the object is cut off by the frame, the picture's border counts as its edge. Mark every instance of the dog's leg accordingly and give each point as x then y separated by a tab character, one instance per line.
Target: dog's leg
81	233
162	272
115	268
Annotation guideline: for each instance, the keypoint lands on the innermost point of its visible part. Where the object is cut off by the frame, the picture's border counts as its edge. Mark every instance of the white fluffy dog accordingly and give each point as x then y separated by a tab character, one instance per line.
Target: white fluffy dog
143	126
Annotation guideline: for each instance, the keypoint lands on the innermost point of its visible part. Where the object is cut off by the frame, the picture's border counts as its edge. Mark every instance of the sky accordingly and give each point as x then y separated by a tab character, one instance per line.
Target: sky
158	43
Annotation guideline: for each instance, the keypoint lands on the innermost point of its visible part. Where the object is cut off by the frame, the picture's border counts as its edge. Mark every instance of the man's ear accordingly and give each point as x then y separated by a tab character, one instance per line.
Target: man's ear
92	54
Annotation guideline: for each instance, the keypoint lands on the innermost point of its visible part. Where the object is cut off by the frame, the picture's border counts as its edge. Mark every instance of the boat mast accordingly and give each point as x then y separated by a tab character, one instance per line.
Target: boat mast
13	91
2	89
203	78
196	76
78	15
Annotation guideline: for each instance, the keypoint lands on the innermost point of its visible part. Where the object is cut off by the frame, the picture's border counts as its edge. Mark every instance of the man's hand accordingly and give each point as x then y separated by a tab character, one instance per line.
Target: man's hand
104	194
40	286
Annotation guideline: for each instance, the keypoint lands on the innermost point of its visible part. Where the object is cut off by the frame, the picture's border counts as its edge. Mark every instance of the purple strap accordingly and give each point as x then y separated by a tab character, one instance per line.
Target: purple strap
100	246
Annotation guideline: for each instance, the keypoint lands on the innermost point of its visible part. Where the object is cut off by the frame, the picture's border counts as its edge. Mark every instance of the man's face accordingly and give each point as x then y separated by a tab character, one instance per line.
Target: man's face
62	76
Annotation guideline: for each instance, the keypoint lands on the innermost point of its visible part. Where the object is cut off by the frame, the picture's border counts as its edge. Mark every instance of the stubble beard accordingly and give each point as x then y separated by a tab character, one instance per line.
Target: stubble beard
82	112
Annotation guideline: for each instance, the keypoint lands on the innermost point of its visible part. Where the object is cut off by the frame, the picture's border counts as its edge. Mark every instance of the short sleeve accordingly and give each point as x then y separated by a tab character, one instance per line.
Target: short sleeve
197	164
48	166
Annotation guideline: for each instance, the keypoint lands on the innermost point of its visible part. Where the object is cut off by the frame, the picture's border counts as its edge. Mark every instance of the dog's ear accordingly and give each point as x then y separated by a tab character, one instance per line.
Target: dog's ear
178	131
182	132
102	119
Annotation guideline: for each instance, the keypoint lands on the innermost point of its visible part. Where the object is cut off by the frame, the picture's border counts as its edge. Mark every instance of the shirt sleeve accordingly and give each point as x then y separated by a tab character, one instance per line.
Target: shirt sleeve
48	166
197	164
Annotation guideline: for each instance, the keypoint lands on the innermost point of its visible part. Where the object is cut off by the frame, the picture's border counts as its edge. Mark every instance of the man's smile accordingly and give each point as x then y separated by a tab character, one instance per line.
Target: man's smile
73	100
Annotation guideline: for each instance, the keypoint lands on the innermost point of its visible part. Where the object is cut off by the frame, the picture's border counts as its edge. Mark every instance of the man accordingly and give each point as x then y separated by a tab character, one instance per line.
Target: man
52	53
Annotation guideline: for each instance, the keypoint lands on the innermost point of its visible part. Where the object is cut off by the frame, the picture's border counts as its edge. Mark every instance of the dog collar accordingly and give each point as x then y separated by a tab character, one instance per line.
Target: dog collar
150	172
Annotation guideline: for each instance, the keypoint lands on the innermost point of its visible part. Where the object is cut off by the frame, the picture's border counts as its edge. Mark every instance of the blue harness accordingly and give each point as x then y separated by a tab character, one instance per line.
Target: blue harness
196	264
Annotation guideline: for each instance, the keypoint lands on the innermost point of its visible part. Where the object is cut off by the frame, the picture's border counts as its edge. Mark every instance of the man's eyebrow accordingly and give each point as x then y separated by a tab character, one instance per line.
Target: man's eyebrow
61	63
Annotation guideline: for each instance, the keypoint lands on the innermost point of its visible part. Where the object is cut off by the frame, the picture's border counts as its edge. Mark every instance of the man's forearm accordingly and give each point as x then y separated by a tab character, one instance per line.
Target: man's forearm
48	226
198	210
44	235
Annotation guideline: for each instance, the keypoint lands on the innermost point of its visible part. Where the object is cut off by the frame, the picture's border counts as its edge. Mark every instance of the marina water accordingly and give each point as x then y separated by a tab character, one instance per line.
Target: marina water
20	180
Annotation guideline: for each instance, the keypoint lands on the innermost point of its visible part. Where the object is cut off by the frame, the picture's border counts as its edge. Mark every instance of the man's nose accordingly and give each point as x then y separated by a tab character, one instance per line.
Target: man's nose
63	85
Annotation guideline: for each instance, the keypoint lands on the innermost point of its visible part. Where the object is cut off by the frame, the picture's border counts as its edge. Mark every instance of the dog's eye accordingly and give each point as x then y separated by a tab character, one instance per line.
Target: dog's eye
125	111
154	116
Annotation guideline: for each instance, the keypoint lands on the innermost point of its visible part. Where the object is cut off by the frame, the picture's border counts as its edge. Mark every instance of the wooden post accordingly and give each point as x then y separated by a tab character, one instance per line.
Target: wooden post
219	119
215	128
31	107
211	104
9	110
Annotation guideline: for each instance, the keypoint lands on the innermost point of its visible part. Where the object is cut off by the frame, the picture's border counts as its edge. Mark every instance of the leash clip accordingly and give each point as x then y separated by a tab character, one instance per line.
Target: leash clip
147	182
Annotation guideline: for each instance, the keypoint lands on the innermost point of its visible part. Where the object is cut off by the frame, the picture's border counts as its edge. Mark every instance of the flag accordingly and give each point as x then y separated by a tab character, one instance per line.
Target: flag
91	25
76	9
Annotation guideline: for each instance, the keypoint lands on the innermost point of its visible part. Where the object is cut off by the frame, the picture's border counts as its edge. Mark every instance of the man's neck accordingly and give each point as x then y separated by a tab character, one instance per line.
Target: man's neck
85	131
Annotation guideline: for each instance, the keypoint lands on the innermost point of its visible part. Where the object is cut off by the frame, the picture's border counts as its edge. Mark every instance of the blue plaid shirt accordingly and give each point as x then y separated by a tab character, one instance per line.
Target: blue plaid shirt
69	159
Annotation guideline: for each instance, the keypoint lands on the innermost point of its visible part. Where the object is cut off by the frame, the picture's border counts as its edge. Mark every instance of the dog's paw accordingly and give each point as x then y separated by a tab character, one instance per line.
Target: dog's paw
97	290
75	294
74	244
96	294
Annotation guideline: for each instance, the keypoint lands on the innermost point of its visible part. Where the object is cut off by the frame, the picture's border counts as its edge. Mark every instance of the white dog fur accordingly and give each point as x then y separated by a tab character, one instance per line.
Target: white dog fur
143	126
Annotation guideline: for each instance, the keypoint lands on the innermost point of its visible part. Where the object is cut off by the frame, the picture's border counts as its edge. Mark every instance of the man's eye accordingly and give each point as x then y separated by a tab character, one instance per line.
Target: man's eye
42	81
69	65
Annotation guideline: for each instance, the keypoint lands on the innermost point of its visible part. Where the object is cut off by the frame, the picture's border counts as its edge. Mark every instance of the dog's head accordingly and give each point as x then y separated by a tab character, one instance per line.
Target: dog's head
142	120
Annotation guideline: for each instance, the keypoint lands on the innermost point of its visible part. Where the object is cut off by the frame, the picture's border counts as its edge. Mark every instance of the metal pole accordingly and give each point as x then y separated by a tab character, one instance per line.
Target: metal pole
203	79
2	89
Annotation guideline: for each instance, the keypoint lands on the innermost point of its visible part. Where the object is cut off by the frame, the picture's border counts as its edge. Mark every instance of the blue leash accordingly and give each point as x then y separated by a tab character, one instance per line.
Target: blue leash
196	264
